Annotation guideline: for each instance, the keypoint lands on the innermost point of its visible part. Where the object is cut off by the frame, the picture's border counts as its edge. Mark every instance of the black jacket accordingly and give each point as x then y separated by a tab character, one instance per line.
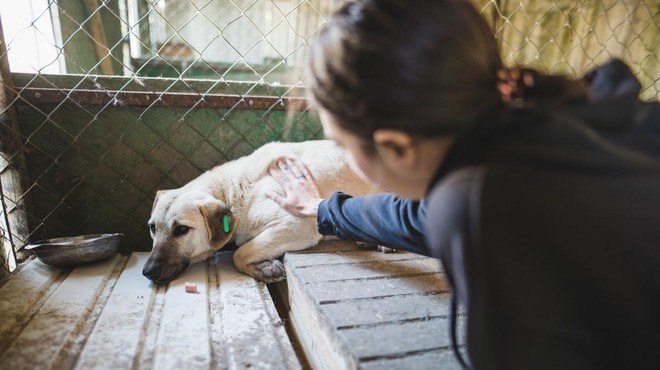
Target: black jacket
549	230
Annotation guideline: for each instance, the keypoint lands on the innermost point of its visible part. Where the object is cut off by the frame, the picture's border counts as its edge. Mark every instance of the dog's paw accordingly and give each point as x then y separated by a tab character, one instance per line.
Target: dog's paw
269	271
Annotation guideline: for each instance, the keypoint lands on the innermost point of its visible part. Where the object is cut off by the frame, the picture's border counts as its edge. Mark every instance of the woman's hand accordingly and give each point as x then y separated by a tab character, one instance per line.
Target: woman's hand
301	194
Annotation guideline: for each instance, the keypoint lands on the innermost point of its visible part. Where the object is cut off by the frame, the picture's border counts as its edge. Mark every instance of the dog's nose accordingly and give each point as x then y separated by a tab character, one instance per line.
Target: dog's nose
153	271
150	271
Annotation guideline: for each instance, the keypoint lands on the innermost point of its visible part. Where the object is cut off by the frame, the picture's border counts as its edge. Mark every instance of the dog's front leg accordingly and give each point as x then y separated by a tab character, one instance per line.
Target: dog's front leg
258	257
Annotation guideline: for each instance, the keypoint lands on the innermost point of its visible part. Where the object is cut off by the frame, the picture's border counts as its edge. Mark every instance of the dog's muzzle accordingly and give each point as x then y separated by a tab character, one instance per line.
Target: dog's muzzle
161	271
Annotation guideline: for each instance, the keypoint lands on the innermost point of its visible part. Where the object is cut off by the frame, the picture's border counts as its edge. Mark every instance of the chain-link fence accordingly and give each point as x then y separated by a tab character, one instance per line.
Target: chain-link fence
106	101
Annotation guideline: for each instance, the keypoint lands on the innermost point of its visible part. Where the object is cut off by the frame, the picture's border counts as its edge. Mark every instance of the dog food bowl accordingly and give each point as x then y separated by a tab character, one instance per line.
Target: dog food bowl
75	250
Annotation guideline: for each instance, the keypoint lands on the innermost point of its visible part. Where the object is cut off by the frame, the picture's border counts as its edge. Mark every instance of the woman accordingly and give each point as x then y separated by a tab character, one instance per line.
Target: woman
548	231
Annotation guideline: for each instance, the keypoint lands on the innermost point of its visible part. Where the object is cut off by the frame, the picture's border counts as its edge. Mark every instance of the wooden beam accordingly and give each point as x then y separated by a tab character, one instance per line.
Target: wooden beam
146	99
13	167
99	40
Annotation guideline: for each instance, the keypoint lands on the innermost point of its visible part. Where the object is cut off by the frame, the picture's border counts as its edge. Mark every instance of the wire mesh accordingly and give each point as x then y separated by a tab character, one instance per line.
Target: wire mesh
110	100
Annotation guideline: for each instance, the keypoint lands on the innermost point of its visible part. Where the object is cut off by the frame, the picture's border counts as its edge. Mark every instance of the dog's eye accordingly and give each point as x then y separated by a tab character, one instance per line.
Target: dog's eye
180	230
152	228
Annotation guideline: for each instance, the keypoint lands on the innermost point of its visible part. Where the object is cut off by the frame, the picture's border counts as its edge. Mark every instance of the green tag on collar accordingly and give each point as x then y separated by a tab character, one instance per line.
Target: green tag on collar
225	223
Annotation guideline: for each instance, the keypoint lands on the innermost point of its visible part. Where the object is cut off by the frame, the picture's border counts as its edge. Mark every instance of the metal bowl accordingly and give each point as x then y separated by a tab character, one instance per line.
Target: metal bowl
75	250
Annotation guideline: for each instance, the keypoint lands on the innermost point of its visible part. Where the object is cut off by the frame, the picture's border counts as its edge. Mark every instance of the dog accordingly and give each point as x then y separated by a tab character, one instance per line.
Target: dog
228	204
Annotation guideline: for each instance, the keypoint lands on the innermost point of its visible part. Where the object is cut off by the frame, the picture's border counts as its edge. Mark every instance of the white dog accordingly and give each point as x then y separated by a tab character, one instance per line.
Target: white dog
228	204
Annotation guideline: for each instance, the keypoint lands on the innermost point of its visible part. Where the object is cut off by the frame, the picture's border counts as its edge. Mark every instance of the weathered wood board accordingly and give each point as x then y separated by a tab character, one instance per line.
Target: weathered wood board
349	308
362	309
108	316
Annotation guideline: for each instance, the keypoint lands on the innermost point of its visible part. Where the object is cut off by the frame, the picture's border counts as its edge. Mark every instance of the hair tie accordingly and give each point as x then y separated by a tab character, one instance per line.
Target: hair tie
512	84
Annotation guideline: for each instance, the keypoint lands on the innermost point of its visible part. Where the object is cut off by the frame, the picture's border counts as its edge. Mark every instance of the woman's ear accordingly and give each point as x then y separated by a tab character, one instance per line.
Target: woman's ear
396	147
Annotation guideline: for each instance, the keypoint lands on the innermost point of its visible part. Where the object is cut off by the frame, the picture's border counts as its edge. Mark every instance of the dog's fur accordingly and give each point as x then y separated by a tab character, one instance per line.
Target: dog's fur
187	223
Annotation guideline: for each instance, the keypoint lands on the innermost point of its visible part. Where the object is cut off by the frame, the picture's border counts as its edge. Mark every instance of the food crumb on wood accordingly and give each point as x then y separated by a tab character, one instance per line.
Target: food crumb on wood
191	287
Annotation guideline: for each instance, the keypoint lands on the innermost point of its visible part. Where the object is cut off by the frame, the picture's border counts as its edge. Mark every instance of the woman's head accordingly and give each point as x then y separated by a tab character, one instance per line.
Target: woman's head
427	67
421	68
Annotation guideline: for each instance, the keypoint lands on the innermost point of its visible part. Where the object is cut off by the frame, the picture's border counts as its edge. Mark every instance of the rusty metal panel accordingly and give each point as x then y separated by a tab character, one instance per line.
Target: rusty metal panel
38	96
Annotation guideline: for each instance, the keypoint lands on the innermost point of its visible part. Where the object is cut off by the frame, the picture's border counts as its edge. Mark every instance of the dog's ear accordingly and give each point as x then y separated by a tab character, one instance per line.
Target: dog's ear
158	194
220	223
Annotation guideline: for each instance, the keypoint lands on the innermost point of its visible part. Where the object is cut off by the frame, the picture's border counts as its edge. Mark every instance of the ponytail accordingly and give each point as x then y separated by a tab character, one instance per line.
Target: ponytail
523	88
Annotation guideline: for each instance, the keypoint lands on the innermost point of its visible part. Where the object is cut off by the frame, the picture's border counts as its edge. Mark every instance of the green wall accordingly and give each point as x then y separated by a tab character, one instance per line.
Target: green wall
95	169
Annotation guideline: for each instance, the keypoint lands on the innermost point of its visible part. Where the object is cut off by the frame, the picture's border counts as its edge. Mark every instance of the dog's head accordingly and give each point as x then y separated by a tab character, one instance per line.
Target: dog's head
185	227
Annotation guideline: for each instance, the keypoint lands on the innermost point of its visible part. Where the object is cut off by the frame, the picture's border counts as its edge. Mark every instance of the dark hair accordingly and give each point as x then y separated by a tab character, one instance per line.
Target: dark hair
426	67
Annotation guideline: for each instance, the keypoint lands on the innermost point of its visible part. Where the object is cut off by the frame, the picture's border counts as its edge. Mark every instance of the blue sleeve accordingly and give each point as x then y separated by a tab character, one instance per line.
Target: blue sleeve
382	219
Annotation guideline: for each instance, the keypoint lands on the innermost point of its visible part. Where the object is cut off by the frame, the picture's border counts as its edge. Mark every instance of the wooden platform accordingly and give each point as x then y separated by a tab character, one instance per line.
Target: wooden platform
353	308
108	316
344	308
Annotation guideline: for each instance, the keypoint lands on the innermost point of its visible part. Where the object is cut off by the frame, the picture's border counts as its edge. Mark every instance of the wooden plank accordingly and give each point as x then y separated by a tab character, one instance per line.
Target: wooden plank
108	316
323	349
97	31
231	323
346	314
361	309
368	270
348	256
397	339
255	335
335	291
119	329
78	46
61	321
433	360
23	295
183	336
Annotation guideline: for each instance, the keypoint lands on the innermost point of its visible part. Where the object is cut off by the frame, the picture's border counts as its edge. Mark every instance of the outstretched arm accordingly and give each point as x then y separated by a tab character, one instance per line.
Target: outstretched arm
379	219
382	219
